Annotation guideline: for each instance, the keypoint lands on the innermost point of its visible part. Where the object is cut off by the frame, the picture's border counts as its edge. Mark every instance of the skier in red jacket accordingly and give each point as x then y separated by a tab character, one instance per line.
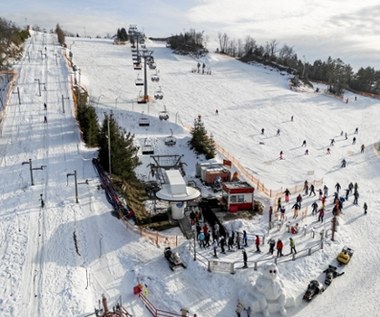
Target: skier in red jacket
279	247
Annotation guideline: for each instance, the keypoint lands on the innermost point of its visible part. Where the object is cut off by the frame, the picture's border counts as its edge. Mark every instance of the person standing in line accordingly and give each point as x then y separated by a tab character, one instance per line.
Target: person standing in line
287	195
245	239
292	246
245	259
257	244
314	210
321	214
312	190
279	247
272	244
215	246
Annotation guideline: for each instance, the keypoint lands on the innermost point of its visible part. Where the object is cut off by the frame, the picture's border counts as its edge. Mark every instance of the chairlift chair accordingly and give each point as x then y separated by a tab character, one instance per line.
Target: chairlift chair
158	94
163	115
144	122
139	81
137	66
155	77
152	65
147	148
170	140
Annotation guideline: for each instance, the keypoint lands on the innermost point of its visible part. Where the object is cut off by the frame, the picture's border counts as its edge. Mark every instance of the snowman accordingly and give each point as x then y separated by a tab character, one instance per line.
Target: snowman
267	294
269	290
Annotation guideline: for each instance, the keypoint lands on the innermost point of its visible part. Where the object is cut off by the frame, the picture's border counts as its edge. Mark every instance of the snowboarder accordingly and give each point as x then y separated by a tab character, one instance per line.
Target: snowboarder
279	247
245	259
347	193
303	143
353	140
321	215
332	141
291	118
262	131
314	207
362	148
306	152
306	187
356	196
279	204
343	163
281	155
356	131
296	208
257	242
292	246
312	190
328	151
272	244
365	208
42	201
337	187
278	131
287	195
216	111
350	187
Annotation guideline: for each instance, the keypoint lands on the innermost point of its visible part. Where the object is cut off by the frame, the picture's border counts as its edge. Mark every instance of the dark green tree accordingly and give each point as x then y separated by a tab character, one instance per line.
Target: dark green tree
124	158
60	35
200	142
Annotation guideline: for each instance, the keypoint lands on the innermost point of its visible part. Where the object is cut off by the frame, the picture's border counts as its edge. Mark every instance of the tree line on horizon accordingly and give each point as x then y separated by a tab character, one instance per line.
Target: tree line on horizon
334	72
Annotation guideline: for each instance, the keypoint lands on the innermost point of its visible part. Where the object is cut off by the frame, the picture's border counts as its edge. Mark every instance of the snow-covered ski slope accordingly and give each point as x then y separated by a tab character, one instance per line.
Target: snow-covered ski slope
44	273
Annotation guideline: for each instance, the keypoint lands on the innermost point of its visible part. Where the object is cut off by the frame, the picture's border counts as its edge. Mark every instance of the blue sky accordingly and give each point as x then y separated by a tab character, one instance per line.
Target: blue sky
315	29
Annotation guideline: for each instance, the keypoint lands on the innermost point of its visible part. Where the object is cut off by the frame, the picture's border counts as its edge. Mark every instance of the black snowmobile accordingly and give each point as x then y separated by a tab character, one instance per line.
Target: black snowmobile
173	258
331	273
314	288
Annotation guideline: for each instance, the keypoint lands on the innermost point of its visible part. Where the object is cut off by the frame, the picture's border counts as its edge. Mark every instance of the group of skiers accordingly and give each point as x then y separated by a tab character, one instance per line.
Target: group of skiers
328	151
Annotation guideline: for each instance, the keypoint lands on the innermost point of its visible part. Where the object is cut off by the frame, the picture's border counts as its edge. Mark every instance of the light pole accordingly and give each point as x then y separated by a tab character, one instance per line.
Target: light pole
63	103
39	86
109	143
76	183
31	169
97	104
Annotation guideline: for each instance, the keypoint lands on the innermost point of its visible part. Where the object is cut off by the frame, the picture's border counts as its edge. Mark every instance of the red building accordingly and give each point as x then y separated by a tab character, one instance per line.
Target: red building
237	196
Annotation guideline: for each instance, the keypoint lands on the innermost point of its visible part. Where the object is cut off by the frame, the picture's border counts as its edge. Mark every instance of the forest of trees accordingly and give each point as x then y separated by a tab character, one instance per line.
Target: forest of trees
186	42
11	40
334	72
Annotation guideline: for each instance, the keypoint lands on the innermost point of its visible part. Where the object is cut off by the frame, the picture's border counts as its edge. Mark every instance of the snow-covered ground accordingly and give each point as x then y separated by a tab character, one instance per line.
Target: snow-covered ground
43	271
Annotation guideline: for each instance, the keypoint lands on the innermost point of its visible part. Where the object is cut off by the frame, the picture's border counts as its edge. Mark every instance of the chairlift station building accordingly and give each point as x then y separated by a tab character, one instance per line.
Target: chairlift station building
238	196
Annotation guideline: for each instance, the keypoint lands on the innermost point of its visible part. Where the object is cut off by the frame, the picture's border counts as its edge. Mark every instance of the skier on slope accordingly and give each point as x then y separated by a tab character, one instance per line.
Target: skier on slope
287	195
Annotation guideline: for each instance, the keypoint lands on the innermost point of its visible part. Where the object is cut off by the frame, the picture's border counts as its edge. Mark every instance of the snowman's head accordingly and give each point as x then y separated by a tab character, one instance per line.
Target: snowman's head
271	271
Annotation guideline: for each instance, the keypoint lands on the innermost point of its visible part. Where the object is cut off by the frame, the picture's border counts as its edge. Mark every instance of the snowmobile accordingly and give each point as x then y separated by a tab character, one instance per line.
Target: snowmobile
173	258
331	273
345	255
314	288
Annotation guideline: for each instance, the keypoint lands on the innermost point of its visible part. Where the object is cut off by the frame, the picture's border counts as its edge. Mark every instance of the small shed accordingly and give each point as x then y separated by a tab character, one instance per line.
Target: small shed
237	196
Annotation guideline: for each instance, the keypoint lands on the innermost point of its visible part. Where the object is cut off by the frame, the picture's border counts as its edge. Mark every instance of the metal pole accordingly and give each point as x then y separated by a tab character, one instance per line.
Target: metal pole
63	105
31	172
18	94
109	145
76	187
195	252
145	81
100	245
